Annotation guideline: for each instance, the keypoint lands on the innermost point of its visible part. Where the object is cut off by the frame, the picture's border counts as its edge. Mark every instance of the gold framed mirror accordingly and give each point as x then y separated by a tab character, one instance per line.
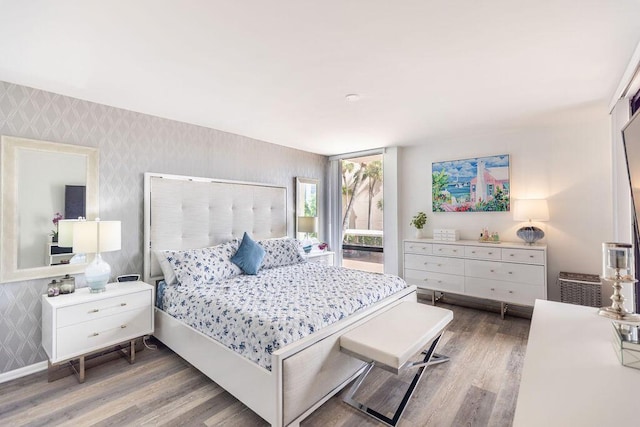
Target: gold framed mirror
38	181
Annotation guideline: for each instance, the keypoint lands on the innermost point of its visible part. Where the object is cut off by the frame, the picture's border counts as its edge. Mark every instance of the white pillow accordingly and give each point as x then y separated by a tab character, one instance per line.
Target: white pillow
194	267
167	270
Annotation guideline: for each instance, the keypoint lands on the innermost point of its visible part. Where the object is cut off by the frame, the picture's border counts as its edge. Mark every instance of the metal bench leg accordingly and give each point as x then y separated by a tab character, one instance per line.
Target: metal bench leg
405	399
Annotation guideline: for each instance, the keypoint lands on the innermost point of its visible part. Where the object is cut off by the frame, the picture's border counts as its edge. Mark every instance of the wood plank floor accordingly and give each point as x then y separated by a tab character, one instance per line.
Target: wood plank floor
479	387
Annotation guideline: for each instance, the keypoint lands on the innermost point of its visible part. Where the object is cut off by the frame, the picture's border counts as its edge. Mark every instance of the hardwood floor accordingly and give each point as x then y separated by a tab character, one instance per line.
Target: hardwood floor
478	387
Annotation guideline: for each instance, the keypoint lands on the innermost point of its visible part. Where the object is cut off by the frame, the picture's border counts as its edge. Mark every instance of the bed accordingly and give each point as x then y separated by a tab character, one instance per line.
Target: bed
300	371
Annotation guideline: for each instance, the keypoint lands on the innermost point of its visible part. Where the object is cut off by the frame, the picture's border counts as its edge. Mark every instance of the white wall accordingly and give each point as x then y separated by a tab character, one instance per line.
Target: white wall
564	157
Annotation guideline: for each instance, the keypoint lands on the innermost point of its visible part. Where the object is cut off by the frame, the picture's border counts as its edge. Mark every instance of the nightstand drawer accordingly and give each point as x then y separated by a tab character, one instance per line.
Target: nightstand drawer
88	336
89	311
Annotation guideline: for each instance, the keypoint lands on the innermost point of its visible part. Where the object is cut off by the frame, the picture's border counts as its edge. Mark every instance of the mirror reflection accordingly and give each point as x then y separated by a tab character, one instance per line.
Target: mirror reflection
43	200
43	183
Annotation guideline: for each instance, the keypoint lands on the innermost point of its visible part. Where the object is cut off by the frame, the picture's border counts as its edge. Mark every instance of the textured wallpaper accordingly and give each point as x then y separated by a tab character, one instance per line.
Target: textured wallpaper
130	144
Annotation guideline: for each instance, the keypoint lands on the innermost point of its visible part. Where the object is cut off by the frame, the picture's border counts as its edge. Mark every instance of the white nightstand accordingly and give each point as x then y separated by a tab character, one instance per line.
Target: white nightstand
78	324
325	258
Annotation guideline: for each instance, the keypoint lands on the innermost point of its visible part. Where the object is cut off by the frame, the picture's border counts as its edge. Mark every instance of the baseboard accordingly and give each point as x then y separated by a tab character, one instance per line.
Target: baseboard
23	372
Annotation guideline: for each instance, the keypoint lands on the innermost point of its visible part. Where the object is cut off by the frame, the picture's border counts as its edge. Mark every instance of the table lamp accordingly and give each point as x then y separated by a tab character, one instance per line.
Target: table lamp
307	224
97	237
530	210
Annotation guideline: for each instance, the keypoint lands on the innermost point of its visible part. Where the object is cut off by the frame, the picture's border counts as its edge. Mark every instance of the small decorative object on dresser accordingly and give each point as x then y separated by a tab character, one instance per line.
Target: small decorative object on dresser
78	324
530	210
418	221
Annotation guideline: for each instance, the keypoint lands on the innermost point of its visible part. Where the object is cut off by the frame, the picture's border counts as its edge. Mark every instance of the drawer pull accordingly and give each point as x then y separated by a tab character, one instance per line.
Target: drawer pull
530	256
511	272
95	310
95	334
490	253
493	271
473	252
455	250
439	265
510	292
493	289
511	254
439	281
123	326
122	304
426	280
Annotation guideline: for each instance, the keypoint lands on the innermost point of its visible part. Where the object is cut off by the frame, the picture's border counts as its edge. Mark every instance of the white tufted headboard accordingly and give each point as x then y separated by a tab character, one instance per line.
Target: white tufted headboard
182	212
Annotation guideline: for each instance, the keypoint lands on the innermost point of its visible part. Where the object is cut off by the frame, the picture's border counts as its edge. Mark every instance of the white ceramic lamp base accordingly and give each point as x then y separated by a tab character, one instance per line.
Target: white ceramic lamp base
97	274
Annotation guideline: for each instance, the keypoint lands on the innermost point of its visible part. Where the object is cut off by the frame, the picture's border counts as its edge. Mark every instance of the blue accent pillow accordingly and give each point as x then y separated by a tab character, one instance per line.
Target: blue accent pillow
249	256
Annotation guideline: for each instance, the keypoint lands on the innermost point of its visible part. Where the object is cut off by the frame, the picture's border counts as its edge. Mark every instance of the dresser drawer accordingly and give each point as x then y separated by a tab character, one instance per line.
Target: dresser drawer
523	255
434	264
504	271
516	293
77	339
418	248
483	252
101	308
448	250
435	281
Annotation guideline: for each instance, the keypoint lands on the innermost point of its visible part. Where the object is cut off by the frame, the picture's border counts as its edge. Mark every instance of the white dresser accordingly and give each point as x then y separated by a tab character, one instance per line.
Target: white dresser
505	272
77	324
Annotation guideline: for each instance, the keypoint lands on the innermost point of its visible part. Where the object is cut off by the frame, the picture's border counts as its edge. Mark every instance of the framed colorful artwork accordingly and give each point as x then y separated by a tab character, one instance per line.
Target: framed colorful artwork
471	185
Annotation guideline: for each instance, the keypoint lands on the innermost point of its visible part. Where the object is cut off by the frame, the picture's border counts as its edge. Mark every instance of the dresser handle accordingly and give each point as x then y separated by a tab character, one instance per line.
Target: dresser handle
510	292
473	252
95	310
493	271
122	304
511	272
490	253
95	334
493	289
123	326
511	255
530	256
439	281
425	280
439	265
455	250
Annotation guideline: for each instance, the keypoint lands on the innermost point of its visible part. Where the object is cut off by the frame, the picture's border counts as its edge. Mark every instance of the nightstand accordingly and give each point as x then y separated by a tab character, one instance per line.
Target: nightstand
325	258
78	324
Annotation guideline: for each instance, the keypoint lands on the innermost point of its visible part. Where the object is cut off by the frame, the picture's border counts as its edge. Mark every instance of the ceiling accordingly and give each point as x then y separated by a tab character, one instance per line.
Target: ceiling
279	70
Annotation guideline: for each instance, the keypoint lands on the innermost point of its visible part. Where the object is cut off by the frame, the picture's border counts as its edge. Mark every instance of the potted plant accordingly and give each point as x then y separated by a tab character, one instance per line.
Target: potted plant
418	222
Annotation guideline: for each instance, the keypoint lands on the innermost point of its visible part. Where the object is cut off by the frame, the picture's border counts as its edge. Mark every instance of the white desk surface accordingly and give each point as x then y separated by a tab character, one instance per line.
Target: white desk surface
571	375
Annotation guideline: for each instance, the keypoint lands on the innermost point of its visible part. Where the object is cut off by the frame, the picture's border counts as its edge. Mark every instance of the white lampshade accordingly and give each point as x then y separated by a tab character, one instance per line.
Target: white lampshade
65	232
531	210
307	224
96	236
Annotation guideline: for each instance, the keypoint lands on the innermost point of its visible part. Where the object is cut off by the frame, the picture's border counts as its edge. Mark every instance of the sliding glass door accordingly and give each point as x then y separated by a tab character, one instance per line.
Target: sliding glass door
362	213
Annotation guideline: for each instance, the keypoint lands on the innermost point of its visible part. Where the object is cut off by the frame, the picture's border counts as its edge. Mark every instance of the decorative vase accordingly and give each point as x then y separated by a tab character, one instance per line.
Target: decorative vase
419	233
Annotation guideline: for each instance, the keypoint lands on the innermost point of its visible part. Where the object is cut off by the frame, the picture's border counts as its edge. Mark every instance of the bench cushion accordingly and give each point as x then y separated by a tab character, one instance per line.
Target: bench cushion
397	334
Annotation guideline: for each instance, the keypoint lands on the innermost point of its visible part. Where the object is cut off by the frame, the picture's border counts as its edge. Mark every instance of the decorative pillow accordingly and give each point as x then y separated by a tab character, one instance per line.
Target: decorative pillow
204	265
279	252
167	270
249	256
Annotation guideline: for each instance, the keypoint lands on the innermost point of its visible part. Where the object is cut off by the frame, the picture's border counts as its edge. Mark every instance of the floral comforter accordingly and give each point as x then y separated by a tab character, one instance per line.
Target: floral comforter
257	315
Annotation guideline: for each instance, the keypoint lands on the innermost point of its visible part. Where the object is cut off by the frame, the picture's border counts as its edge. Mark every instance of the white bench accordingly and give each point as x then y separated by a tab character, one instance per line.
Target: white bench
389	340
